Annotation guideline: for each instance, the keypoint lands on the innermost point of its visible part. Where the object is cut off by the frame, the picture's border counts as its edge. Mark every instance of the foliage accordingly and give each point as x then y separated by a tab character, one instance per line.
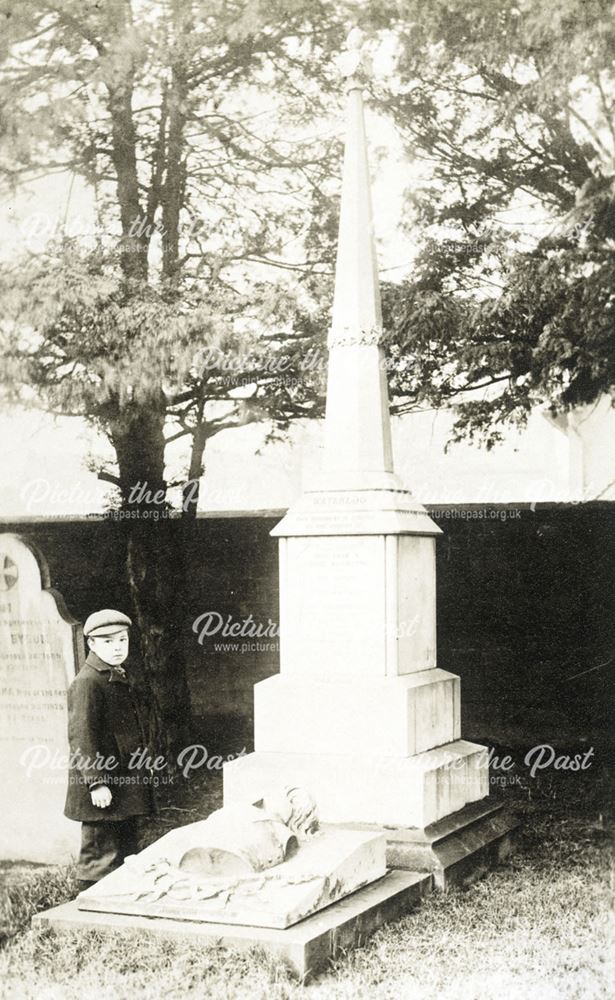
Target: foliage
190	125
511	107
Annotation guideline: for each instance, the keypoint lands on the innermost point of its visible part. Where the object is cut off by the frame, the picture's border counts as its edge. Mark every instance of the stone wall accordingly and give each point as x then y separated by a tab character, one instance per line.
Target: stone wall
526	613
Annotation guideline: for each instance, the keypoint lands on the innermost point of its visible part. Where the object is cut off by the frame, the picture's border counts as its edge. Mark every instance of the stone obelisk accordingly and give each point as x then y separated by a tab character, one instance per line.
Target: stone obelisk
359	714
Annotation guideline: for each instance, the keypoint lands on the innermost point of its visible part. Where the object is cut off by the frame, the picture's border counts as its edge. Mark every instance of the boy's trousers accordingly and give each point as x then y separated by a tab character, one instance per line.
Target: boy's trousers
104	845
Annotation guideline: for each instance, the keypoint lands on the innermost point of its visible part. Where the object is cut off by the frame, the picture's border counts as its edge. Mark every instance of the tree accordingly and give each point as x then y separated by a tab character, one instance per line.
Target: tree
511	105
197	190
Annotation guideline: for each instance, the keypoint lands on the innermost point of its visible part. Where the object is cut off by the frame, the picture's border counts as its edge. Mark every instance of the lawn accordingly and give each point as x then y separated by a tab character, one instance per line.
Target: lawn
542	925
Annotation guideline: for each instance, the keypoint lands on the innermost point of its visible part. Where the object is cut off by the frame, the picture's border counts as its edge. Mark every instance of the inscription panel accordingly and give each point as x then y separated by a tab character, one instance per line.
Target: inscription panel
333	606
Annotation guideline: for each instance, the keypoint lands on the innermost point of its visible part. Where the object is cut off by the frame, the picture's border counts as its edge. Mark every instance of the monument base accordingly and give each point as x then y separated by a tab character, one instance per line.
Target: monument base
306	948
458	849
395	792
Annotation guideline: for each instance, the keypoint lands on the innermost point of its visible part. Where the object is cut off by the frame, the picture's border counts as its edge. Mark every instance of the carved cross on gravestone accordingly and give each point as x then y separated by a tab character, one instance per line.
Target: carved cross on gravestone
9	574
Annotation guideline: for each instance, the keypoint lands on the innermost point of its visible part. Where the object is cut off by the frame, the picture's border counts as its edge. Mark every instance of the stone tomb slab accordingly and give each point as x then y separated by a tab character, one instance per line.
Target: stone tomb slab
324	869
41	649
306	948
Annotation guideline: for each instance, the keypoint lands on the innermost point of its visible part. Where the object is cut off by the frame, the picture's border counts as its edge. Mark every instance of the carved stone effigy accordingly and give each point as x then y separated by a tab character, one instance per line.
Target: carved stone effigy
264	864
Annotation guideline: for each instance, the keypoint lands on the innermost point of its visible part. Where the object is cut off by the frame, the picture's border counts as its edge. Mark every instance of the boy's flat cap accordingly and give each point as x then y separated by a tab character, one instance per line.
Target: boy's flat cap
106	622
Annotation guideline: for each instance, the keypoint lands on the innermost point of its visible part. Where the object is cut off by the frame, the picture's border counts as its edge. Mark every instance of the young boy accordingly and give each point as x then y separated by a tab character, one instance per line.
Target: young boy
104	793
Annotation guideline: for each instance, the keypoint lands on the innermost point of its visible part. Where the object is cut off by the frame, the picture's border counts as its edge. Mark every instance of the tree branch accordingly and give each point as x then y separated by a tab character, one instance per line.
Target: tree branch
107	477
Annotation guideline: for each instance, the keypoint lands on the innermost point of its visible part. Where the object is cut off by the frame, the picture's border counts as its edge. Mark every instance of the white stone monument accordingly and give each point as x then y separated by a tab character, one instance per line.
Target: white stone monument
360	712
41	649
359	715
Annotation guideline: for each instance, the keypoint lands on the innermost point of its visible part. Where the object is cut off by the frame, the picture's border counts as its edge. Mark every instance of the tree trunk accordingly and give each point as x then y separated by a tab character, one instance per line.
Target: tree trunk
155	576
172	195
191	490
154	547
155	572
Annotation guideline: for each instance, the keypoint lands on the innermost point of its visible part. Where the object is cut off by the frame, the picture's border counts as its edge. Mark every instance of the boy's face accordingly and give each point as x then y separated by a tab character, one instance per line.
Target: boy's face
111	649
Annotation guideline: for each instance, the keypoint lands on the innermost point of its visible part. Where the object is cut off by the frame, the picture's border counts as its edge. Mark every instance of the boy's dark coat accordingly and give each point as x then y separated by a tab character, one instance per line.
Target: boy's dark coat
103	721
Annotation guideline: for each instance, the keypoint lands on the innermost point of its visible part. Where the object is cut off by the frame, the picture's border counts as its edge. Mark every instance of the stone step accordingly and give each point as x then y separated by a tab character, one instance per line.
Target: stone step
363	788
457	849
389	717
306	948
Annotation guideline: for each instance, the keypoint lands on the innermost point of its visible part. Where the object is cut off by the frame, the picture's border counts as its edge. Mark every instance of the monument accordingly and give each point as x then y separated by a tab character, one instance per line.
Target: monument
360	712
40	651
360	715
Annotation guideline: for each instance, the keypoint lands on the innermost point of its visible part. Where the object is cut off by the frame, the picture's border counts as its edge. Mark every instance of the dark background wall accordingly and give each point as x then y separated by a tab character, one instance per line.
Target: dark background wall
526	613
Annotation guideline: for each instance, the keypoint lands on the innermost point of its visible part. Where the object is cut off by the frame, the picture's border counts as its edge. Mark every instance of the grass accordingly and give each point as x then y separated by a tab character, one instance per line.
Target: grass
542	925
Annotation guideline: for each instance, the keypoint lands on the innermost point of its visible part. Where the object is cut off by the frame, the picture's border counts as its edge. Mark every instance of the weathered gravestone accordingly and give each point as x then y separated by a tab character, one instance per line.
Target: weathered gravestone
41	649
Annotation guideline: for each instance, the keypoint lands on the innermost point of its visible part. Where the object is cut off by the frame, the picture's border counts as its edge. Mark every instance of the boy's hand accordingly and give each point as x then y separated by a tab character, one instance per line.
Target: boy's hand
101	796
